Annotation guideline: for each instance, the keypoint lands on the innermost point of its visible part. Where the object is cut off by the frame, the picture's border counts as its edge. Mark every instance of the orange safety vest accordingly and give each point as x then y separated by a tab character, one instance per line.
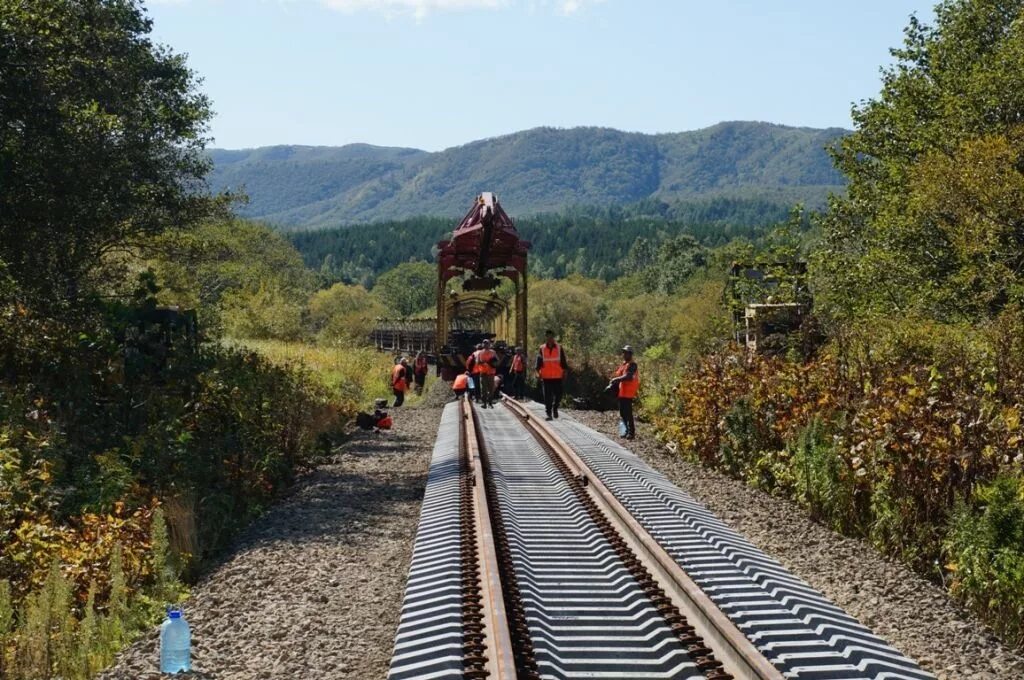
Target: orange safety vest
628	388
481	361
551	367
461	382
398	378
517	364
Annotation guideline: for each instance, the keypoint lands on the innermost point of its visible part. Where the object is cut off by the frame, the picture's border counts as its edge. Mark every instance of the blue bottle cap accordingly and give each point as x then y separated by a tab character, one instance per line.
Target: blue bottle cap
174	614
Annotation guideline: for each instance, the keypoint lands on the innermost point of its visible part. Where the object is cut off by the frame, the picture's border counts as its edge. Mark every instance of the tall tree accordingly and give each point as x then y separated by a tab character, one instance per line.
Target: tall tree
101	137
954	98
408	289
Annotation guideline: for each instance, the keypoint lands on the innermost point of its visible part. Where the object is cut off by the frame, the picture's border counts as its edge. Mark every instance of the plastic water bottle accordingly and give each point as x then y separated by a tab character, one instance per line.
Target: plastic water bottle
175	643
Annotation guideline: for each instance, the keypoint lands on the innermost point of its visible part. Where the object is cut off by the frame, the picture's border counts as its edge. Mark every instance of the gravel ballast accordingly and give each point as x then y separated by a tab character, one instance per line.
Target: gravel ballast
915	616
314	588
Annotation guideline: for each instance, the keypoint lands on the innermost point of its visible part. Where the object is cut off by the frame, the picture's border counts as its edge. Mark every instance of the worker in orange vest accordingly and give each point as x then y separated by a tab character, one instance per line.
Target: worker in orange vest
551	369
484	361
461	384
400	380
419	371
474	373
626	382
517	373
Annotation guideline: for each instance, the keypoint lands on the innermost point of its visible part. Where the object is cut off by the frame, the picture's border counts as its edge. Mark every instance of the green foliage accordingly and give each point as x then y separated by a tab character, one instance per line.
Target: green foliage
821	478
569	307
931	224
586	241
675	261
101	144
6	624
343	314
227	263
266	313
986	546
534	171
408	289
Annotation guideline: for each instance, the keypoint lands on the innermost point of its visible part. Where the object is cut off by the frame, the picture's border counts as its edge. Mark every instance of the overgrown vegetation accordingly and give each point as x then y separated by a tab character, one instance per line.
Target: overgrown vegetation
134	443
904	425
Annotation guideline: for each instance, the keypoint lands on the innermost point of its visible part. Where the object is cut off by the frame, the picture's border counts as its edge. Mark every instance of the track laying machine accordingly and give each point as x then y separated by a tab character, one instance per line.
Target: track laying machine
473	299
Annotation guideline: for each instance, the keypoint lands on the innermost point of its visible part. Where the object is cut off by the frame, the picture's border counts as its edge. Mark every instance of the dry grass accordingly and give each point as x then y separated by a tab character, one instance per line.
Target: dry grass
354	375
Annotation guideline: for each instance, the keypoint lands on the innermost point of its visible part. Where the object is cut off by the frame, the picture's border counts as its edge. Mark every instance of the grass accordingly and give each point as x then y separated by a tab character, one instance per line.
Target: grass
355	376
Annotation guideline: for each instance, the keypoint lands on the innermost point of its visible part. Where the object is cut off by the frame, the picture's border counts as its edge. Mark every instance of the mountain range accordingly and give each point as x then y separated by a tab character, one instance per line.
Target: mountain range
533	171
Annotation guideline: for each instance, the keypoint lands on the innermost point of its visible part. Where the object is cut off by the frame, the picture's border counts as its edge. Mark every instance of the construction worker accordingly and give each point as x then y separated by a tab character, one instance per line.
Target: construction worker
502	366
626	382
474	373
551	369
517	374
419	371
399	380
485	361
461	385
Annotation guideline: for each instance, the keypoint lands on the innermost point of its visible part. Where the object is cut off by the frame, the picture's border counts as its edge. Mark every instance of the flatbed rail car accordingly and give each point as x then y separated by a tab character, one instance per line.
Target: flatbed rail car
484	251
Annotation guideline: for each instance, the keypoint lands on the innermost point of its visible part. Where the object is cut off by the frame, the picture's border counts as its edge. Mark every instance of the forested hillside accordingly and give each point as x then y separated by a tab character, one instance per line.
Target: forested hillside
539	170
601	243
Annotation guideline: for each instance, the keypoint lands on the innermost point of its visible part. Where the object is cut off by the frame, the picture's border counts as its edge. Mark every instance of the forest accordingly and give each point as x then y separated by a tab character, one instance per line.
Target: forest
584	240
168	368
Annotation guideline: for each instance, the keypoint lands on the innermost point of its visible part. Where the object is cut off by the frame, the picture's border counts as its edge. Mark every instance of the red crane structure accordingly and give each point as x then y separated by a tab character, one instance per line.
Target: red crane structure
484	251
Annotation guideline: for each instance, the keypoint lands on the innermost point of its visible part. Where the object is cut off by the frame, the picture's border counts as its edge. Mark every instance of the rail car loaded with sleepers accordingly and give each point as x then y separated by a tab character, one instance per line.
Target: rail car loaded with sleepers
472	304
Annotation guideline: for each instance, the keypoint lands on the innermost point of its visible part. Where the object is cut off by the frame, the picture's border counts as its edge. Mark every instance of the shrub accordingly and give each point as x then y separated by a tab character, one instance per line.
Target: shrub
267	313
986	549
881	435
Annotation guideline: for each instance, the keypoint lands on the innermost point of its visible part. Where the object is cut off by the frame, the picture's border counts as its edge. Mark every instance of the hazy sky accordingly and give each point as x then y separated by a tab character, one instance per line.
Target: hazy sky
437	73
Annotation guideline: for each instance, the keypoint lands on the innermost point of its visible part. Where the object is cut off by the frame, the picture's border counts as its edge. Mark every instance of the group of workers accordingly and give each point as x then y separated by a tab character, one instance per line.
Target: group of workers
491	370
487	371
404	375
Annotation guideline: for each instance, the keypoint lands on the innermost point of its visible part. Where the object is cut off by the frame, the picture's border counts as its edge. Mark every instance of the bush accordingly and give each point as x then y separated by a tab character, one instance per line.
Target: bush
343	314
881	435
986	549
103	428
268	313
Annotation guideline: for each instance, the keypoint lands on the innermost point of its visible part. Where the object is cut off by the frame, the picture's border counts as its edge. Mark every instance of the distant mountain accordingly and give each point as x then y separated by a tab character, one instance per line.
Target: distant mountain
538	170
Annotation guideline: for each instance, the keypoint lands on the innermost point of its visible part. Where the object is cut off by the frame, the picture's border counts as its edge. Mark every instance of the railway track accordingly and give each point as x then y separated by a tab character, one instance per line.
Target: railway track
547	551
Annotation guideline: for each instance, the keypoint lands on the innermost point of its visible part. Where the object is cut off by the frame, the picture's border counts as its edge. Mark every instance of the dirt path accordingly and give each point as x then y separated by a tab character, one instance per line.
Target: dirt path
314	588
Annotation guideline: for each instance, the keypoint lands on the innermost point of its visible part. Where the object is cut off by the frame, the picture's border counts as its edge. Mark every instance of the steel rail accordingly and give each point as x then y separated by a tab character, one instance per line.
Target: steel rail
738	655
498	653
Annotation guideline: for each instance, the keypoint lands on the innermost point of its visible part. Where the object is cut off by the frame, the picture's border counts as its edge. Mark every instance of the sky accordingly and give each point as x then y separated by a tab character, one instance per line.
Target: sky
432	74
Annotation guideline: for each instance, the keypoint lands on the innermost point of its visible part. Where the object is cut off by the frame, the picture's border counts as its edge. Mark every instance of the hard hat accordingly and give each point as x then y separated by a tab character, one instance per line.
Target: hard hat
628	349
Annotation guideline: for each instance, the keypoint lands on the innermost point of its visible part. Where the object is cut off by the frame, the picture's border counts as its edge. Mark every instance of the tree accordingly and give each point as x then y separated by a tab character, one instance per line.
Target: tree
101	137
344	313
408	289
198	266
675	262
931	223
570	308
